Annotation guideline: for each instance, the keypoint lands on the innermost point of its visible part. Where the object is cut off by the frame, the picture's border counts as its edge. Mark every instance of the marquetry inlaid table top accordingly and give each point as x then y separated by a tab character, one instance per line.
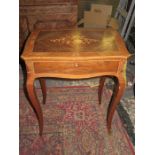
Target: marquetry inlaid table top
76	43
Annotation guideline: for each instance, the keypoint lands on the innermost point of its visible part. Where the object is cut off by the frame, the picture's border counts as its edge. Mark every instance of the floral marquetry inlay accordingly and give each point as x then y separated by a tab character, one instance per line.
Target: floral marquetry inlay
76	39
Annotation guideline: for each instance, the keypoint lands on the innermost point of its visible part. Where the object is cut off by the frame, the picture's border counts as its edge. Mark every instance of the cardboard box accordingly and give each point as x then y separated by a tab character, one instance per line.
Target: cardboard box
106	10
94	20
98	17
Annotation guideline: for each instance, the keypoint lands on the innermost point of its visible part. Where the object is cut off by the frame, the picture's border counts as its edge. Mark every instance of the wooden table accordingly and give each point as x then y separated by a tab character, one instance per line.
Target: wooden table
75	54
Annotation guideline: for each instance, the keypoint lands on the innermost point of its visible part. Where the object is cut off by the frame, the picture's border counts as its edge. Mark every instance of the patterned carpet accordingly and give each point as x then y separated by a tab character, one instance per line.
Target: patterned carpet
74	124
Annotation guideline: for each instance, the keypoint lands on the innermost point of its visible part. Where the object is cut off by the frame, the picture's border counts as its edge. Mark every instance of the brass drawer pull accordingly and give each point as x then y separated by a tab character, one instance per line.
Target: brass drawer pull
76	65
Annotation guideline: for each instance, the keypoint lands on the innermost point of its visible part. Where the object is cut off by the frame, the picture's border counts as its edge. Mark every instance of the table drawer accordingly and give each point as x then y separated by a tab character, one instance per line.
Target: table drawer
76	68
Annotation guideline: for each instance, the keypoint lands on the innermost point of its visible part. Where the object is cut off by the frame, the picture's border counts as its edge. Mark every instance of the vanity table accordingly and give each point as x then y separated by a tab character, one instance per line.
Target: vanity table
75	54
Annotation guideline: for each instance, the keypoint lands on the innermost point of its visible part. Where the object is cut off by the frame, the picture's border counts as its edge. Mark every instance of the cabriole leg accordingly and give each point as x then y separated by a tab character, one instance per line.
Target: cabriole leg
43	88
34	101
117	94
100	89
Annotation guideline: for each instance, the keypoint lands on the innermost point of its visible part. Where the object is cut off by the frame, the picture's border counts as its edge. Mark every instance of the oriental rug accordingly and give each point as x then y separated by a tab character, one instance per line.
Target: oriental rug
74	124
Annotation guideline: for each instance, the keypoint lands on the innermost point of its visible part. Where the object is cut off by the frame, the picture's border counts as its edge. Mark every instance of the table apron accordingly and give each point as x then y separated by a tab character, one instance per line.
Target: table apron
75	69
